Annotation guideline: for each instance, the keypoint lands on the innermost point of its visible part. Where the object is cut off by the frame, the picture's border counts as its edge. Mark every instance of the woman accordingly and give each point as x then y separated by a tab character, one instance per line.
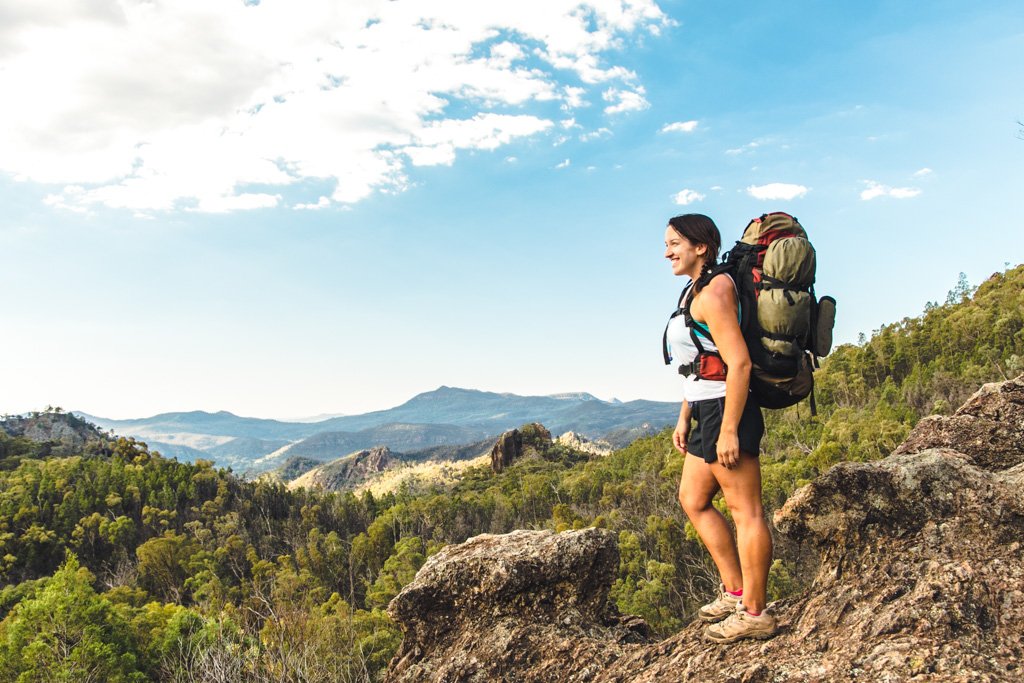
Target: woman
721	448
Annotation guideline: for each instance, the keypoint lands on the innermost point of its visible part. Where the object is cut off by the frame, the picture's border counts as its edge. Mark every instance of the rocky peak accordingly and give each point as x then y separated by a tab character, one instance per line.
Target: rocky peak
921	577
515	443
347	472
374	459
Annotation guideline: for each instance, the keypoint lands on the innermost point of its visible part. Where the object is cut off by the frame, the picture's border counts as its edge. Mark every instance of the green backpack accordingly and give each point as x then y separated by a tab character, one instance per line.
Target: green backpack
773	265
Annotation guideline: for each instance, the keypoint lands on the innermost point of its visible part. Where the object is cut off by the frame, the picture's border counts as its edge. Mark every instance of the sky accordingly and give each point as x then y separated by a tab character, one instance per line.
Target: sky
285	209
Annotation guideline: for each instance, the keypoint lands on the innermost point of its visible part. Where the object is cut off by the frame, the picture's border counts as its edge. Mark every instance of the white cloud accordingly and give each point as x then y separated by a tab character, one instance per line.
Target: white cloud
237	202
784	191
184	105
684	197
717	188
563	164
875	190
679	127
574	97
922	172
321	203
744	149
66	199
625	100
595	134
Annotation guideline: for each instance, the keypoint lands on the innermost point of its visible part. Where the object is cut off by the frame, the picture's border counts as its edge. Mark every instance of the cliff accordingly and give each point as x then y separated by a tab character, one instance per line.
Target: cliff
920	578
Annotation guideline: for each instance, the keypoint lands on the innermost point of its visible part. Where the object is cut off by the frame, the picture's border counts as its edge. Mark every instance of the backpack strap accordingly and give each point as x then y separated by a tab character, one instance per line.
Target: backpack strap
769	282
695	327
679	311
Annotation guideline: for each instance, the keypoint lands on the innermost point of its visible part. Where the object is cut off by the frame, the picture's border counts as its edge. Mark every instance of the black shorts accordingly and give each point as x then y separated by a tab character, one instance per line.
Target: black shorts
707	416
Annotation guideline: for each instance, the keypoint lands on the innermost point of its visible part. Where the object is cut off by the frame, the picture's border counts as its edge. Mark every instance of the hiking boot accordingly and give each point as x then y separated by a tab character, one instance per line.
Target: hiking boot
741	624
720	608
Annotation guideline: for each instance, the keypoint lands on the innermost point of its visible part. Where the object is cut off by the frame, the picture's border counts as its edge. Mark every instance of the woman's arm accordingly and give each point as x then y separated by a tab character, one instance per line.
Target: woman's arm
682	431
718	308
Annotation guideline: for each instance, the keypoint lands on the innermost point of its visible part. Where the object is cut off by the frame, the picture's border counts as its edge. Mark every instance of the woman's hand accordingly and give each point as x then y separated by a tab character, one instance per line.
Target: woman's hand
728	448
681	434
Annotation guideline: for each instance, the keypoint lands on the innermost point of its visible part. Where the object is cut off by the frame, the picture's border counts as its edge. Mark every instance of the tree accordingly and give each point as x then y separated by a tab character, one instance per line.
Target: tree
67	632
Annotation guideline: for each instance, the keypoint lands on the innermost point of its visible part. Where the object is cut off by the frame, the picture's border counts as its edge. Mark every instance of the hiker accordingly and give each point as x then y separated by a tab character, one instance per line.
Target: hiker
719	432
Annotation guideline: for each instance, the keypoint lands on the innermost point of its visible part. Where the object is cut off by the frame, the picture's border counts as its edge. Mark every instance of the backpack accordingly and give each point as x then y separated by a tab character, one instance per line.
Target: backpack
785	327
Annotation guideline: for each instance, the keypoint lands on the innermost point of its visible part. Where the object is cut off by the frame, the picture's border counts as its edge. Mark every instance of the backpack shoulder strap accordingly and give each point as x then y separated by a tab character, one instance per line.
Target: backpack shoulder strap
705	331
679	311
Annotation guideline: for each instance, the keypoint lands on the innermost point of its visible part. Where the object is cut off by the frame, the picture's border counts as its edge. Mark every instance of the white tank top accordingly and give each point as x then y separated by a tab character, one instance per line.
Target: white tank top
683	351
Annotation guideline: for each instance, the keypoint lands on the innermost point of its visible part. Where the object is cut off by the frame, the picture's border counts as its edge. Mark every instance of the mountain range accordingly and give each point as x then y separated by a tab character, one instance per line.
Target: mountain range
447	416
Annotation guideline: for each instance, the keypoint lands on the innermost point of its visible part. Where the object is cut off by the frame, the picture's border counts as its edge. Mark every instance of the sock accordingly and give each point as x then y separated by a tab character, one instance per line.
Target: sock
753	614
736	594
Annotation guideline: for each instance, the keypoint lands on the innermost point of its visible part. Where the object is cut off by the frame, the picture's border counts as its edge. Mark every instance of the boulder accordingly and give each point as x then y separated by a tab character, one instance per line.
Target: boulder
524	606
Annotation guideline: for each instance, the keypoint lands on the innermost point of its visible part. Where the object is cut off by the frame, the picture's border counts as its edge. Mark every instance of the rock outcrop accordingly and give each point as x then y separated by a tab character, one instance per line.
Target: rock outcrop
585	445
60	433
921	579
515	443
507	448
348	472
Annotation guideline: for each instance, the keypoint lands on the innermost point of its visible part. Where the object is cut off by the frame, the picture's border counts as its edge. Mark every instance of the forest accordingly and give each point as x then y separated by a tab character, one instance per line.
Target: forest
118	564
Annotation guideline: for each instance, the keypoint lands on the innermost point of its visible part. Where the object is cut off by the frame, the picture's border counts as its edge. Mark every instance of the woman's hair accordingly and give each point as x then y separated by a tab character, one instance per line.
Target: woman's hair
700	229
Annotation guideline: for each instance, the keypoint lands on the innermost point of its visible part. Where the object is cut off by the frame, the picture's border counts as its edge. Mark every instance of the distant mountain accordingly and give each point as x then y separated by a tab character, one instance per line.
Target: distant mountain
445	417
180	453
221	423
451	453
245	448
579	412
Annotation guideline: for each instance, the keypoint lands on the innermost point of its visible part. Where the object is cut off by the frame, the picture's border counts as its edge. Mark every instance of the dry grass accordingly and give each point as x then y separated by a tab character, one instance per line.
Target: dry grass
440	472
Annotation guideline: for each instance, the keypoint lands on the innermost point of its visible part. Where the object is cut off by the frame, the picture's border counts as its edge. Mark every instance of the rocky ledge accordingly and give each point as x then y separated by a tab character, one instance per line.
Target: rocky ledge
921	579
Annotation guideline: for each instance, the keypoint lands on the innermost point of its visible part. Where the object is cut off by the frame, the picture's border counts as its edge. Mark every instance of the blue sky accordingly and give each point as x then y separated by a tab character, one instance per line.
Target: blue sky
284	210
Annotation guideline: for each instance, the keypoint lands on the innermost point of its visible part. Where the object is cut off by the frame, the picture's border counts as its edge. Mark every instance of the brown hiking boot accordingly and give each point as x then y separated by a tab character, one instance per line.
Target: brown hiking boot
720	608
741	624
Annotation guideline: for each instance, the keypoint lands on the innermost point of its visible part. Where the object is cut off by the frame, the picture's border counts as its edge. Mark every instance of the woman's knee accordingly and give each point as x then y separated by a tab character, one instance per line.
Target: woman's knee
748	515
694	503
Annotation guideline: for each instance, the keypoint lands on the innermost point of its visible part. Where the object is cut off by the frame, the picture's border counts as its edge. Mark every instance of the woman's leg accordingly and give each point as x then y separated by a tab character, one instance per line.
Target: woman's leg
741	487
697	488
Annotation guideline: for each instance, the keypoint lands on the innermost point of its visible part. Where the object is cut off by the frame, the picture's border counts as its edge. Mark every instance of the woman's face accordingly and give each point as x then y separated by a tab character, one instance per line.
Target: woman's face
685	256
